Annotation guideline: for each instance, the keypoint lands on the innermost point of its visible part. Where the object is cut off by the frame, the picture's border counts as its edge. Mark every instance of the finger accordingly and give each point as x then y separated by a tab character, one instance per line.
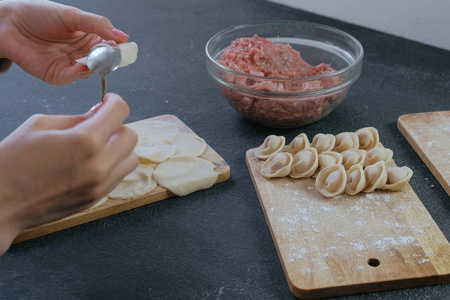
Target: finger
71	74
116	176
117	159
87	192
119	146
120	170
107	119
55	122
99	187
58	122
78	20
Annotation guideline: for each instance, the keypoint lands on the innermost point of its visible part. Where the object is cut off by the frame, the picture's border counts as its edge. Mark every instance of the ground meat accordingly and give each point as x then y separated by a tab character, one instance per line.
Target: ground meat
283	112
261	57
273	63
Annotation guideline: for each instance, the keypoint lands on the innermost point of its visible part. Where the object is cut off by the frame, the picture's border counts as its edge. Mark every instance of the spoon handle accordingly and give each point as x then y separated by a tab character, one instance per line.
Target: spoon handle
103	80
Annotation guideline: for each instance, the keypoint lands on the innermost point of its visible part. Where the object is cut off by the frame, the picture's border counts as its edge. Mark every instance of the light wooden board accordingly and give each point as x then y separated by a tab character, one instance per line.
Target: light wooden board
330	246
429	135
114	206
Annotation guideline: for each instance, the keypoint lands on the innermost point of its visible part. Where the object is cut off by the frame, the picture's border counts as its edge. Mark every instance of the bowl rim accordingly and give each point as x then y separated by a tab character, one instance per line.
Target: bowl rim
357	60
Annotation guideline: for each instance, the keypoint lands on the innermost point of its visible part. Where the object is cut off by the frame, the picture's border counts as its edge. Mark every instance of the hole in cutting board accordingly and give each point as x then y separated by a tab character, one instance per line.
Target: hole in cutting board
373	262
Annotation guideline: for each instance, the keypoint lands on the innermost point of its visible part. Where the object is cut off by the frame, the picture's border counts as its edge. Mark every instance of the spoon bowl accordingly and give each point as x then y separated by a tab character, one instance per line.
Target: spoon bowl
103	59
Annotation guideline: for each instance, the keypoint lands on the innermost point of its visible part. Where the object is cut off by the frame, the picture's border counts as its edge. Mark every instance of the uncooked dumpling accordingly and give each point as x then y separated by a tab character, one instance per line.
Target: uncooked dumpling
184	174
331	181
397	178
299	143
376	176
323	142
353	157
378	154
277	165
346	141
272	144
136	184
187	143
356	180
328	158
368	138
305	163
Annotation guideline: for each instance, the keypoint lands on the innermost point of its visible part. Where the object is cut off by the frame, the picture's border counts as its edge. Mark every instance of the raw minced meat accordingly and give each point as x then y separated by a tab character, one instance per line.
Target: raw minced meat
261	57
279	69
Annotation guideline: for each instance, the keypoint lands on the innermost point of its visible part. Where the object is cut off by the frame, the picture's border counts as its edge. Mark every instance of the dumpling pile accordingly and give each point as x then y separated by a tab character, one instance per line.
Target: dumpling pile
169	158
349	162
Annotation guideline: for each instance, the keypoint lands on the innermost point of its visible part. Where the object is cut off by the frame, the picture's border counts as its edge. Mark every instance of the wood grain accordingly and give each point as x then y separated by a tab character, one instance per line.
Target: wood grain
114	206
331	246
429	135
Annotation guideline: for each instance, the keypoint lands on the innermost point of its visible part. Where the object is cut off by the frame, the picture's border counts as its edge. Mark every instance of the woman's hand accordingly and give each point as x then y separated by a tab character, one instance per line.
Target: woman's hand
45	38
54	166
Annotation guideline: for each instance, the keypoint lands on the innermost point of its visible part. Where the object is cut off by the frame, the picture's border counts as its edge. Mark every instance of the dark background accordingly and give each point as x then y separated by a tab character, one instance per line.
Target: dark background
213	244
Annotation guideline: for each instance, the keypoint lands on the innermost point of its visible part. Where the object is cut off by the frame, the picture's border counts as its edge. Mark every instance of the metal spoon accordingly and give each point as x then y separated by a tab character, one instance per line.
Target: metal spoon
103	59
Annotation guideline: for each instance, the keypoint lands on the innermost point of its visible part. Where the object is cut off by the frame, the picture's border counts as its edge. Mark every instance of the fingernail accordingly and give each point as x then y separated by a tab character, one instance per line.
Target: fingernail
120	33
96	107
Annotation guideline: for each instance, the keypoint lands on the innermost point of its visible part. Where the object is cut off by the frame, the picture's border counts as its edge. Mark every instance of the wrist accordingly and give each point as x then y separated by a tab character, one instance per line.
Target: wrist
11	218
9	228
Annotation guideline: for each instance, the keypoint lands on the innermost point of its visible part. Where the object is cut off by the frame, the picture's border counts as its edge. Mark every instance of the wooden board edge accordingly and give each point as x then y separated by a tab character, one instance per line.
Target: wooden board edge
402	127
81	218
295	290
302	292
103	211
339	291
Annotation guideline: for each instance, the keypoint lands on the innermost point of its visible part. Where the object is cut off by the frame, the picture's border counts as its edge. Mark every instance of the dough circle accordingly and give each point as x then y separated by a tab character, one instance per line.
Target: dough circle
136	184
184	174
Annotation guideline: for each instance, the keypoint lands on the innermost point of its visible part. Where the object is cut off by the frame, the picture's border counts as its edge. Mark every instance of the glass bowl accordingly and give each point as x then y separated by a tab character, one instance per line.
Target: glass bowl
294	102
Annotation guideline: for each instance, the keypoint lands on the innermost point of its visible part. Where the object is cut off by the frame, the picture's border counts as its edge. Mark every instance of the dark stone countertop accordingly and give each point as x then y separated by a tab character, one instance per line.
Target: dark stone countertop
214	244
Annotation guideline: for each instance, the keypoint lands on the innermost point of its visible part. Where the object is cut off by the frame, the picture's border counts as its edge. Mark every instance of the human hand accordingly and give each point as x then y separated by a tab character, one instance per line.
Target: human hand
45	38
54	166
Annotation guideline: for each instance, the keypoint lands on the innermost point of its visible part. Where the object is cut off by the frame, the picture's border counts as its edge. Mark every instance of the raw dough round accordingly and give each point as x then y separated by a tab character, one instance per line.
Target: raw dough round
136	184
184	174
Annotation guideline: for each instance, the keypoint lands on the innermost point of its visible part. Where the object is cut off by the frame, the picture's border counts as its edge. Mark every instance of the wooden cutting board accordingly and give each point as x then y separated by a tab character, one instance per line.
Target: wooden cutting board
114	206
429	135
350	244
